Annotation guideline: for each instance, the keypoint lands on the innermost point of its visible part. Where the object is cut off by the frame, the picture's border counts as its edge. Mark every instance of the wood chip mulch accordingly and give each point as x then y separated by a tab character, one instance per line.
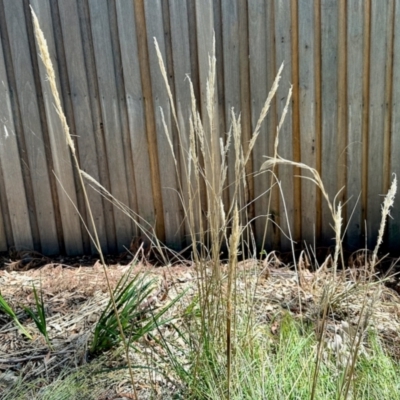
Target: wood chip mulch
75	296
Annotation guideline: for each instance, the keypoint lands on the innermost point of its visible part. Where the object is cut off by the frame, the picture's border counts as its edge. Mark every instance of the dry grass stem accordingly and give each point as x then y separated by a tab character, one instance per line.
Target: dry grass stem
264	112
387	205
44	54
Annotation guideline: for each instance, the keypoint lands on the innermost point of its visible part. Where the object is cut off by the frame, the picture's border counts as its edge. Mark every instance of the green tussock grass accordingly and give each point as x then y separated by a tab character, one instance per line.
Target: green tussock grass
282	366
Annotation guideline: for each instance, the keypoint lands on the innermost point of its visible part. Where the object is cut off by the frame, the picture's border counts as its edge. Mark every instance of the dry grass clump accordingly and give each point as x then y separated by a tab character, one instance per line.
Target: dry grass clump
220	326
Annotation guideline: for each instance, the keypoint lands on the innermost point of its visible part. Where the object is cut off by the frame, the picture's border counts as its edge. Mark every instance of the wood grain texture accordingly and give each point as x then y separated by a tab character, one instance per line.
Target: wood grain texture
258	40
377	110
213	124
96	114
173	215
341	143
296	141
245	109
60	151
82	115
231	76
143	53
308	111
109	102
329	97
135	106
124	117
32	127
12	172
180	35
394	222
6	237
355	38
3	236
387	178
283	45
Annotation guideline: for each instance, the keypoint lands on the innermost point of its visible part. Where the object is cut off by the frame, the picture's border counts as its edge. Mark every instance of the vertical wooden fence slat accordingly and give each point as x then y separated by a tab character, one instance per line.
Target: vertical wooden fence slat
173	216
96	113
341	143
329	98
6	239
140	20
245	111
109	101
259	92
296	141
377	110
12	172
194	65
137	123
32	128
180	35
212	124
307	115
79	93
387	178
6	232
216	29
60	151
355	39
271	123
394	222
231	62
124	117
3	236
283	46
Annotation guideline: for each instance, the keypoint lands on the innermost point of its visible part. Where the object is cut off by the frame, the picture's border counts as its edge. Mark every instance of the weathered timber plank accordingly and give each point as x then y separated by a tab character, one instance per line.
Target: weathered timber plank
173	215
245	112
377	109
82	114
308	111
231	62
124	118
12	172
260	61
211	122
109	102
61	156
180	36
283	45
31	125
329	99
135	105
394	222
355	38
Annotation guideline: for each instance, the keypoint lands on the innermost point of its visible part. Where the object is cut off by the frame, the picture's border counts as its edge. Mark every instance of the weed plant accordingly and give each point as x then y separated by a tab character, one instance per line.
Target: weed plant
8	310
39	317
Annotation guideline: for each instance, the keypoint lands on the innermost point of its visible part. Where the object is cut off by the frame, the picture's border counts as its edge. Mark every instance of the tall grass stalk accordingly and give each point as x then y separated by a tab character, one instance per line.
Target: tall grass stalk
45	56
206	165
386	206
329	290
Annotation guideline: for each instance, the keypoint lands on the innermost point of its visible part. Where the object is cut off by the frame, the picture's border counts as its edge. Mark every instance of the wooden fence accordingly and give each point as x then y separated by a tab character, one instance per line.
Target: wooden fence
342	57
